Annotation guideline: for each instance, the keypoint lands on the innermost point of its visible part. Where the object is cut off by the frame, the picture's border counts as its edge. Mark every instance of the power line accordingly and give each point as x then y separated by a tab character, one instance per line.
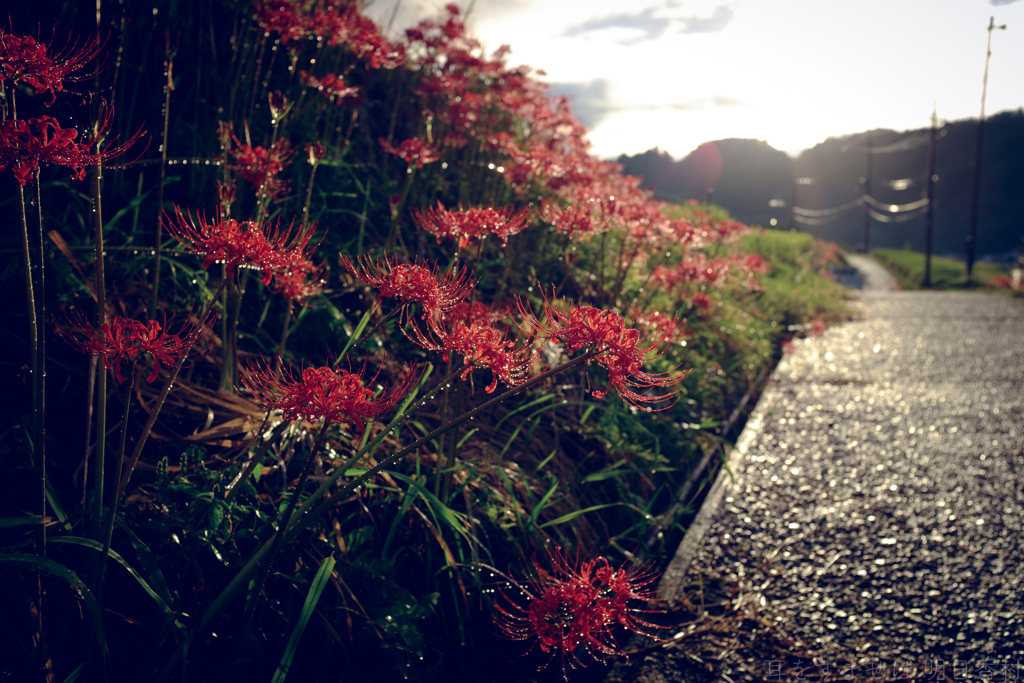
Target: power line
897	218
895	208
814	213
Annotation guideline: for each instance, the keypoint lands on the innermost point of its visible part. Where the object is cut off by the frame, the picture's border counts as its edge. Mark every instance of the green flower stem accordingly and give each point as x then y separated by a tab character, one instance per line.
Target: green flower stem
39	385
460	394
309	193
228	373
33	326
109	525
169	65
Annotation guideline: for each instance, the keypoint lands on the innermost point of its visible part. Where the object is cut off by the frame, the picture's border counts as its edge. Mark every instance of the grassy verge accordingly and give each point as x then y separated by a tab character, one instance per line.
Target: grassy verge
908	269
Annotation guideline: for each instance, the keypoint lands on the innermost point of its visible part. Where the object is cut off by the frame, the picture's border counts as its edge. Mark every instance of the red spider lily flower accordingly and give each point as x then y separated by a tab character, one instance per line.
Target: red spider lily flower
242	244
125	339
574	221
472	223
334	87
296	277
24	60
572	610
620	350
470	313
413	151
325	393
481	346
257	164
26	145
701	301
338	21
411	283
817	327
788	347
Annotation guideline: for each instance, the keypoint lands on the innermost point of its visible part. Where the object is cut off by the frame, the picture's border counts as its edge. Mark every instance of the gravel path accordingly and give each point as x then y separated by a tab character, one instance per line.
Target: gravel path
873	531
876	277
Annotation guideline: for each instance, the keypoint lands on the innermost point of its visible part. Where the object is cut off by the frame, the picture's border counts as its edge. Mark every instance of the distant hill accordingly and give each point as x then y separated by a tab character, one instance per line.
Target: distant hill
756	182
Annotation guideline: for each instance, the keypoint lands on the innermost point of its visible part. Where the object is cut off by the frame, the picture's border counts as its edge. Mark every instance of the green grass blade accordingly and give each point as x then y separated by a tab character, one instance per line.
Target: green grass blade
576	513
148	562
97	546
73	676
356	334
19	521
468	434
47	566
407	501
456	520
545	461
539	507
58	508
316	589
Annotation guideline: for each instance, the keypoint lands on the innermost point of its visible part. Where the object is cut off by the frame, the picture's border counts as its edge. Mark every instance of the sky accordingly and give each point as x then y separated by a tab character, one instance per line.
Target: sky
675	73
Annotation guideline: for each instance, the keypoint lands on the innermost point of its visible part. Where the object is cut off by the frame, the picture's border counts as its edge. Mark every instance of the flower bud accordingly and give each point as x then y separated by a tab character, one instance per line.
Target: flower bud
315	151
278	105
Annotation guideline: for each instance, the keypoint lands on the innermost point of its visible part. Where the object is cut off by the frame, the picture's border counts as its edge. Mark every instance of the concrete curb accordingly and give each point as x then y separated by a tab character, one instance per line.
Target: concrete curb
675	574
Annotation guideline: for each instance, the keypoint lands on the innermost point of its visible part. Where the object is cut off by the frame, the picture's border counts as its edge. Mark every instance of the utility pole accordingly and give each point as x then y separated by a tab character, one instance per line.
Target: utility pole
978	150
929	224
867	191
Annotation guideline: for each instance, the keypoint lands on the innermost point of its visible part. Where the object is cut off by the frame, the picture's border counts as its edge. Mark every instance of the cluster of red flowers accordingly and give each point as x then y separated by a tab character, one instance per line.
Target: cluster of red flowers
284	258
125	339
258	164
334	87
472	223
481	345
619	349
573	610
435	292
324	393
413	151
339	22
27	145
25	60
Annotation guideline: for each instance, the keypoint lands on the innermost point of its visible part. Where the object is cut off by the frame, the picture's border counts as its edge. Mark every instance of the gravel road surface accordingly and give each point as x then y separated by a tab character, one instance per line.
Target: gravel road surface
873	530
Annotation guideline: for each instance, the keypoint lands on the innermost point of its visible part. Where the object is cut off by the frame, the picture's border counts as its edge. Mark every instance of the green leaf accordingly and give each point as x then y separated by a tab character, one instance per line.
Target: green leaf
19	521
73	676
539	507
468	434
407	500
148	562
316	589
356	334
47	566
257	472
98	547
608	472
576	513
545	461
456	520
54	501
